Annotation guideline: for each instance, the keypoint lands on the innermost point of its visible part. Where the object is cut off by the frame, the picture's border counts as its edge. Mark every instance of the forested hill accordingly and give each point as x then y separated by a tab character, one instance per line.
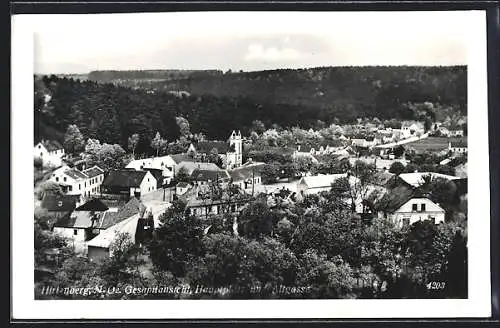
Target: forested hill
371	91
216	105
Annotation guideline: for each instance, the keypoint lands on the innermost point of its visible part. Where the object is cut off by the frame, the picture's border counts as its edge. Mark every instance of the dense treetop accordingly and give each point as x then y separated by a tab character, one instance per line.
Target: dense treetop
213	103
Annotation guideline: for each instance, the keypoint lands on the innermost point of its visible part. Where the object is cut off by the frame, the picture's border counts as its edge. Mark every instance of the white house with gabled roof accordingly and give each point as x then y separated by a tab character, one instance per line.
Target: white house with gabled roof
164	163
417	209
75	182
50	152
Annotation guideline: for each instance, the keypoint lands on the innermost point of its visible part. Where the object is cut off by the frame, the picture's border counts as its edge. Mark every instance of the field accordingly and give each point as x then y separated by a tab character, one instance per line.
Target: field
432	143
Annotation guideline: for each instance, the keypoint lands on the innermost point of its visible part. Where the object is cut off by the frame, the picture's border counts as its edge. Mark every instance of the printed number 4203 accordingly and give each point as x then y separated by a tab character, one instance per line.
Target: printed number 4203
436	285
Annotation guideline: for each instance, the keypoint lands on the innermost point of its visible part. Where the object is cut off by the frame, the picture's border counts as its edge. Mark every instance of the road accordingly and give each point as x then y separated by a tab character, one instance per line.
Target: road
154	202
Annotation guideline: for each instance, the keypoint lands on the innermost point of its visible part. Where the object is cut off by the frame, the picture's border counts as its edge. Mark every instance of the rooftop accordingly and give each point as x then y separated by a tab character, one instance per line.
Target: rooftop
416	179
209	175
93	171
124	178
51	145
60	203
322	180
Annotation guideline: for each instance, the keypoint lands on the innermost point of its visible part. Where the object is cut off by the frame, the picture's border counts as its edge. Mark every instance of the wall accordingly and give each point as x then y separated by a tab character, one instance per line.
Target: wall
398	218
49	158
148	186
69	233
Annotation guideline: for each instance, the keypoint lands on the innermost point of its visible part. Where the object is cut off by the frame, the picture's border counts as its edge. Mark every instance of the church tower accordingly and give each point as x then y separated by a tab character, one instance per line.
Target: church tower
235	153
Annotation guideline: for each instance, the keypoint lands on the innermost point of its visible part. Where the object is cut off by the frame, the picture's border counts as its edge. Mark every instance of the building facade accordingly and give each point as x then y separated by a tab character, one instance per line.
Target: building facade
417	209
49	152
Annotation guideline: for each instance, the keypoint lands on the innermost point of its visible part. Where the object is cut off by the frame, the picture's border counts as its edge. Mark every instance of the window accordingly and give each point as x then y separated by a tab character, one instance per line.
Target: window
433	219
414	207
57	179
406	222
41	154
70	188
64	179
422	207
79	186
39	146
75	232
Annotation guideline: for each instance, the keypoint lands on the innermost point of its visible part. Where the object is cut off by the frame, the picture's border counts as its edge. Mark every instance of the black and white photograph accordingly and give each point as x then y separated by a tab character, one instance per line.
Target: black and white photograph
256	156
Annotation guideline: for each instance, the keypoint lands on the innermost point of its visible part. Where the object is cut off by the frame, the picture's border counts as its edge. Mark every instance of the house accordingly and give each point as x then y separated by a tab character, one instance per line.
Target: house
181	188
90	219
248	176
318	183
75	182
190	166
129	183
166	164
456	132
459	146
59	205
416	179
205	177
158	175
305	151
417	209
207	207
444	131
230	152
412	128
99	247
78	225
50	152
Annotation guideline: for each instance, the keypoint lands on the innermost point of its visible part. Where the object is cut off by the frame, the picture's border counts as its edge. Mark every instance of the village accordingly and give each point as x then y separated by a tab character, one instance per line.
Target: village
91	207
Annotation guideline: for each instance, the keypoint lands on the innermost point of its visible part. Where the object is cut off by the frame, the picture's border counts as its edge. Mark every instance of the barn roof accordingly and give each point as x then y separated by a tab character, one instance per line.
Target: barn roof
321	181
124	178
51	145
93	171
209	175
59	203
246	172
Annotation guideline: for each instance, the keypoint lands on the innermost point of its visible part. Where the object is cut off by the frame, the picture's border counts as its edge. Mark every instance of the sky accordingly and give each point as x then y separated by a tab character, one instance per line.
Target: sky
246	41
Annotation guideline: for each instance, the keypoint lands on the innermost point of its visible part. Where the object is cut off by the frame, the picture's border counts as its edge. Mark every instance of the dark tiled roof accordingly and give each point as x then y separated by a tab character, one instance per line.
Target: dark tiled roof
94	204
75	174
207	146
394	199
133	207
124	178
51	145
206	175
245	172
157	173
459	143
60	203
78	219
181	158
182	184
93	171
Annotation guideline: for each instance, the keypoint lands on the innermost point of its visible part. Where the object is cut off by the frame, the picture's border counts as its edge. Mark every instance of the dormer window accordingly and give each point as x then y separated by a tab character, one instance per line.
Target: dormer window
414	207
